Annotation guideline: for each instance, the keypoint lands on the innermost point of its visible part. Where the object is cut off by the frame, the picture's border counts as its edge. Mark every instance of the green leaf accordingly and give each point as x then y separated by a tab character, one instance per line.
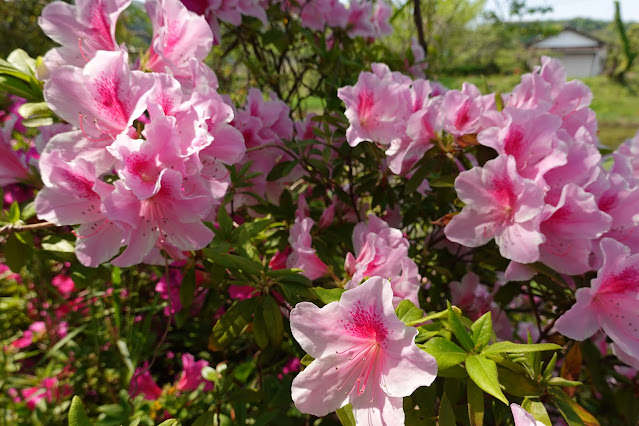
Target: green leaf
519	384
345	415
475	398
483	372
446	353
259	328
328	295
224	221
459	330
446	413
281	170
173	422
516	348
248	230
232	323
28	211
57	244
573	413
482	330
535	407
273	321
13	215
77	414
407	311
306	360
234	262
16	253
187	289
19	87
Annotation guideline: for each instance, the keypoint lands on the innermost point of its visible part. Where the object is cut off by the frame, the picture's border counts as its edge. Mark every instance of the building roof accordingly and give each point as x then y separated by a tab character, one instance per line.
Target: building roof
569	38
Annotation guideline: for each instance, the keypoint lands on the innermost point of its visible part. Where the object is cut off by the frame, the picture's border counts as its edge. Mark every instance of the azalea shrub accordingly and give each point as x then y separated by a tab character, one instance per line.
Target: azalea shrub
259	212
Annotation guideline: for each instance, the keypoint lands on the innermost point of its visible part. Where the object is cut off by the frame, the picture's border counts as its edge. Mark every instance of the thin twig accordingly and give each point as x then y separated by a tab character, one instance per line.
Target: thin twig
10	227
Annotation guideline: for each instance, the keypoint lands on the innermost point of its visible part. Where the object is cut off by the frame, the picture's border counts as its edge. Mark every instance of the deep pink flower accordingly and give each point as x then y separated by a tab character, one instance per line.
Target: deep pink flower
143	383
12	167
191	376
364	355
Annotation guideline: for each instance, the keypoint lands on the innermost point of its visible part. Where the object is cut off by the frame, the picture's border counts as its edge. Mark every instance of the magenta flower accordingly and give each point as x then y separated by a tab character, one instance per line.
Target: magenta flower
191	376
610	303
143	383
364	355
499	204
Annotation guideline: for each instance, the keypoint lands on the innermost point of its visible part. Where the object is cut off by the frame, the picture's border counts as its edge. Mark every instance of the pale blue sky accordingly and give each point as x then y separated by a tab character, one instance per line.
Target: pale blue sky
566	9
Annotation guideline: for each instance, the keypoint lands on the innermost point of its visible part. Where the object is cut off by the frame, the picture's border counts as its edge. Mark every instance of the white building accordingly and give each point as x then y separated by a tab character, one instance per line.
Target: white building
581	54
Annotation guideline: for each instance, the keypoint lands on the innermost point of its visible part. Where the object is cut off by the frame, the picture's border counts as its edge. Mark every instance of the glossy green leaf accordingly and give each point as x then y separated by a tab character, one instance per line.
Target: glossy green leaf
483	372
232	323
273	320
345	415
187	289
446	413
573	413
328	295
517	348
482	330
407	311
475	398
259	328
445	352
535	407
519	384
459	330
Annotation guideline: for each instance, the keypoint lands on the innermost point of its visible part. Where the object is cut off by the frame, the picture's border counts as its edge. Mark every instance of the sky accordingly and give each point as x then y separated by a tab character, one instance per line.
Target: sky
566	9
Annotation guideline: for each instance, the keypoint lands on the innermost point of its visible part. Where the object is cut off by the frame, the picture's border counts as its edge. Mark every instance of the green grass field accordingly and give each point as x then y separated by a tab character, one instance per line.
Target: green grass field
617	106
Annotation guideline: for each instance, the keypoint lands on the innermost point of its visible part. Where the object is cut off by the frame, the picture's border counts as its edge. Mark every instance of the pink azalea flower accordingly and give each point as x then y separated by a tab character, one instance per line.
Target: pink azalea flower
191	376
609	303
178	36
383	251
170	219
570	228
82	29
364	355
529	138
104	97
143	383
500	204
376	108
523	417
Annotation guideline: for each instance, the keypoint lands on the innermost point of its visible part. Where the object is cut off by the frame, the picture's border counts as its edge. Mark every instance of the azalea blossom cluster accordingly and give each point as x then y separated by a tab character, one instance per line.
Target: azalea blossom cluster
147	189
362	18
545	197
